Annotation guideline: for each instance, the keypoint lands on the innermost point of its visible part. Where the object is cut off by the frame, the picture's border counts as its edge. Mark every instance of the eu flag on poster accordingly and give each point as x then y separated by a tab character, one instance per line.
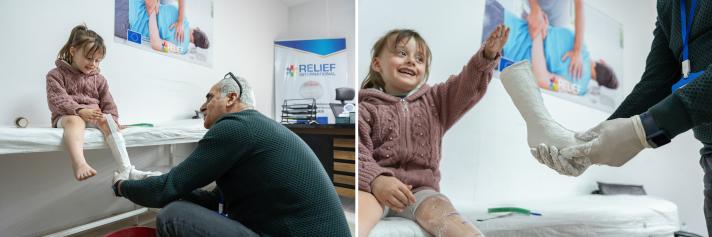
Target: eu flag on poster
504	63
133	36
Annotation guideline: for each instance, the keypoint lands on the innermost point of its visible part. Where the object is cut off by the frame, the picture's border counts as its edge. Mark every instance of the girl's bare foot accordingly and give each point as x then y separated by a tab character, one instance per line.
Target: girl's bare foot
83	171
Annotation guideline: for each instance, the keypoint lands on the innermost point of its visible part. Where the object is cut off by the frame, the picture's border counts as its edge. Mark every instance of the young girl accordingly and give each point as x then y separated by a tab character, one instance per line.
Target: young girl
401	124
79	97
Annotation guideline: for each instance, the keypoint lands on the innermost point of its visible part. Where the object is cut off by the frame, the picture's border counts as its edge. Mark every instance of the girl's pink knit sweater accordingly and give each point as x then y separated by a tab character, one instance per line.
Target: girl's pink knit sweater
402	137
69	90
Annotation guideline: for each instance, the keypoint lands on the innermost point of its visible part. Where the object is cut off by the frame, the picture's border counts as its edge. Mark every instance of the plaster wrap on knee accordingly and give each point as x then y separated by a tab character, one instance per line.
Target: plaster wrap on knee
448	223
520	84
117	144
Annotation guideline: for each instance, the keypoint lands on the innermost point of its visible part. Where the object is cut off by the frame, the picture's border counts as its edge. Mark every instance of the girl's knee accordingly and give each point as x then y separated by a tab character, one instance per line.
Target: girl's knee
104	128
370	210
101	120
433	203
101	123
440	218
367	200
72	120
366	197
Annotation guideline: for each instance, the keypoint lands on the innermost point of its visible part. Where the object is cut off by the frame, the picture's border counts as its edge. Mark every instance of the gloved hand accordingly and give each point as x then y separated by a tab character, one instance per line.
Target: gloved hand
550	157
119	176
612	142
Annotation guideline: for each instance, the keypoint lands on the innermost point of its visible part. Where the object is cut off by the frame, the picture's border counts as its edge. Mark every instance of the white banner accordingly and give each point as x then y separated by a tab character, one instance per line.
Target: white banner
306	69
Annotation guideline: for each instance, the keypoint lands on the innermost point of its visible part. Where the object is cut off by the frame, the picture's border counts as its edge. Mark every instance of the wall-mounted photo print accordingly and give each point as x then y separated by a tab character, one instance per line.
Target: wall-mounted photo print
575	50
177	28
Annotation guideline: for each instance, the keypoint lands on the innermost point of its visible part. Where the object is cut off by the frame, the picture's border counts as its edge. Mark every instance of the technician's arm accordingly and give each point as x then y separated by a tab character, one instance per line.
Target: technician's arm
216	154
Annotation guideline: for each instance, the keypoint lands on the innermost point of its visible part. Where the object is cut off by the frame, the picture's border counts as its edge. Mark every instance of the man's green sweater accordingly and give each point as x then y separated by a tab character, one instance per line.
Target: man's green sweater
690	106
270	180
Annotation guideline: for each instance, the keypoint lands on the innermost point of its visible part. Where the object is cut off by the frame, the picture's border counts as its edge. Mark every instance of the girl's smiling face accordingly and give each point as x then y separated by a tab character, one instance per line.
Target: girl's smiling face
402	68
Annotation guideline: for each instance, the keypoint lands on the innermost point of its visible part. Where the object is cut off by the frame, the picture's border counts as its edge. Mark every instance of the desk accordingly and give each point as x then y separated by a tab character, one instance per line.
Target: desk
334	144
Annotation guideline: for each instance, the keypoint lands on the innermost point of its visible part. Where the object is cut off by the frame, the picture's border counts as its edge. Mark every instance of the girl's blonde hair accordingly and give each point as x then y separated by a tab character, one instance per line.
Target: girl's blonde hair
373	78
82	37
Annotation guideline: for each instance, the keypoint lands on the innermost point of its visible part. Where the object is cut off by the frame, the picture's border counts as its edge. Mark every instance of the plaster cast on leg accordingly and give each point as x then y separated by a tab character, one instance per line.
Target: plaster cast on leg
117	145
543	133
519	82
438	216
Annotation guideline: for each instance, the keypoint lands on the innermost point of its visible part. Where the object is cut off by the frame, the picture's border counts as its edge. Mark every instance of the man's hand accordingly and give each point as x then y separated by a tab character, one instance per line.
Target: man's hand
392	192
90	115
612	142
119	177
495	41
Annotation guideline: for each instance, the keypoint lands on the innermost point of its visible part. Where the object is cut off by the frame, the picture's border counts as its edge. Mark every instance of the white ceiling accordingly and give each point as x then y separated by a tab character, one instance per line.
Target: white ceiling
290	3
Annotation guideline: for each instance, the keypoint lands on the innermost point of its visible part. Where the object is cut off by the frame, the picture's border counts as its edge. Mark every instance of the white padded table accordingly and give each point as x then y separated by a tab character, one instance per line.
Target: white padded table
589	215
29	140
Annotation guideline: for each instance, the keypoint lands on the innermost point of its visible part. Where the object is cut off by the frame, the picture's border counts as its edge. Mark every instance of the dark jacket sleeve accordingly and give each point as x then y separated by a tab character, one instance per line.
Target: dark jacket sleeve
215	155
686	108
661	69
204	198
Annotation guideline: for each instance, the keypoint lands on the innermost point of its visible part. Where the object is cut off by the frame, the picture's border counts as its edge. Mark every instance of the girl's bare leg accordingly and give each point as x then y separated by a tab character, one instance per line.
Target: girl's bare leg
369	213
73	138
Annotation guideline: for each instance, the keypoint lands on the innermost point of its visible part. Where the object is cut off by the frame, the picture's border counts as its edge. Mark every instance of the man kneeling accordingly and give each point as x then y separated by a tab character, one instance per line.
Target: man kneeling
269	182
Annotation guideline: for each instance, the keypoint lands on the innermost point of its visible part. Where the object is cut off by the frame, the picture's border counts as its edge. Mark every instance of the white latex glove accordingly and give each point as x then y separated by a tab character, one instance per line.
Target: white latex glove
138	175
550	157
123	175
612	142
119	176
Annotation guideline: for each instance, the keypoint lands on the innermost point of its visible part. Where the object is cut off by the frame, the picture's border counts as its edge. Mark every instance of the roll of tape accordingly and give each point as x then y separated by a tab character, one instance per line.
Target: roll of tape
21	122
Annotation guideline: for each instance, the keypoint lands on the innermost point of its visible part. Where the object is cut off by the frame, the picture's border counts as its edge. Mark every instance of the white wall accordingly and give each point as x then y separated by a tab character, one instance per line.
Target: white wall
147	87
326	19
485	155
